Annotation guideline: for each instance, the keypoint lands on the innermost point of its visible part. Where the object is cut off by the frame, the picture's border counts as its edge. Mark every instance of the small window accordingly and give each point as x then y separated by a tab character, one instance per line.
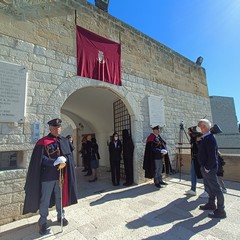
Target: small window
10	160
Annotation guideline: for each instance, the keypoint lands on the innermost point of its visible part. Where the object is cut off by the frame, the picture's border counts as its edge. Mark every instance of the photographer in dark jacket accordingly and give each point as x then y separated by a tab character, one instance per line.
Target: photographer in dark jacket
128	149
195	136
208	159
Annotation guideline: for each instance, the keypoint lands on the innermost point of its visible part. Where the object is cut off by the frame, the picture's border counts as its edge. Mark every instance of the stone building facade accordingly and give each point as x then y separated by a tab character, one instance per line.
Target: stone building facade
41	35
224	114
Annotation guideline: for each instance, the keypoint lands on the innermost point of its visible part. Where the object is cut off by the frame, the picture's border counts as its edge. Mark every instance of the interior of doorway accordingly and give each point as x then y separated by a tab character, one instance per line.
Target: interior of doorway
90	110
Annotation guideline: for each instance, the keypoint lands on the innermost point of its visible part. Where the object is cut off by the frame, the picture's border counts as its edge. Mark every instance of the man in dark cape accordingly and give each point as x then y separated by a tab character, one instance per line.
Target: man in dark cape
148	163
37	173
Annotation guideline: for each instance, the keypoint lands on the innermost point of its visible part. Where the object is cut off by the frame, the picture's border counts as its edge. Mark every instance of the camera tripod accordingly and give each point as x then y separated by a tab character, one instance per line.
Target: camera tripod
179	162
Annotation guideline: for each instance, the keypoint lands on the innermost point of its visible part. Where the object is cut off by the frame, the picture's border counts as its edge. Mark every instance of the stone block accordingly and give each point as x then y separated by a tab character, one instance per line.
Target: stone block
40	68
4	51
24	46
5	189
18	54
11	210
40	77
57	71
37	59
39	50
54	63
18	197
7	41
16	139
5	199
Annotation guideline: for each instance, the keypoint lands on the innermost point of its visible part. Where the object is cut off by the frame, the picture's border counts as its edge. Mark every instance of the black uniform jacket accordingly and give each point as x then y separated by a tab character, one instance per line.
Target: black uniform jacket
149	164
115	152
33	181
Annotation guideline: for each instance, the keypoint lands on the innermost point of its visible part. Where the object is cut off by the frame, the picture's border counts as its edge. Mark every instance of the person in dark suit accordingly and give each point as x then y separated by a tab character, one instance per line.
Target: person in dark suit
128	149
115	151
208	159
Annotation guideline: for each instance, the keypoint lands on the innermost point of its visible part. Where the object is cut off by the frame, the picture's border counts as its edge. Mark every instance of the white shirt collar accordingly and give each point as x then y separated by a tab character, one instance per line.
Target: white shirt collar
206	134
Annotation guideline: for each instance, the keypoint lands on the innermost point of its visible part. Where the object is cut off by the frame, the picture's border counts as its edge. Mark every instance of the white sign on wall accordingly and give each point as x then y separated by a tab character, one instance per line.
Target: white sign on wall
156	111
13	87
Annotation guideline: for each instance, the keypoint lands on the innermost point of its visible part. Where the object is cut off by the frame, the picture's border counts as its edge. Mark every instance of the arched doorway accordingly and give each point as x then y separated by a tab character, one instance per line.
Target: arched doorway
93	110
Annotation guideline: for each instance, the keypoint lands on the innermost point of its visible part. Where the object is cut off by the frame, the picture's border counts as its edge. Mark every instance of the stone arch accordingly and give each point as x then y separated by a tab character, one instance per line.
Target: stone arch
129	98
66	88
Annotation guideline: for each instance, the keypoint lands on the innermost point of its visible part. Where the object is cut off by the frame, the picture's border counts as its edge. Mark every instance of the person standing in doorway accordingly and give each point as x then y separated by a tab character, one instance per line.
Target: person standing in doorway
153	157
88	155
51	169
94	159
115	151
208	159
128	149
83	152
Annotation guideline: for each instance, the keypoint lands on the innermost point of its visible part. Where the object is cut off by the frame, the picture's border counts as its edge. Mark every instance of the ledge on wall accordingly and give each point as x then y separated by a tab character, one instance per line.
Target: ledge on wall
31	9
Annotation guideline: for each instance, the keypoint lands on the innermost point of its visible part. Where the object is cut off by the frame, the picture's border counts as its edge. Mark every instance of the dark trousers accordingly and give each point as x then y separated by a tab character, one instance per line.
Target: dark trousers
89	167
128	167
115	171
46	192
213	188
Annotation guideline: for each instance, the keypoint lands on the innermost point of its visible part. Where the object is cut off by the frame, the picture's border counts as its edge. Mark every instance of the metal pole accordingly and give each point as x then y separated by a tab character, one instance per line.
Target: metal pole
60	185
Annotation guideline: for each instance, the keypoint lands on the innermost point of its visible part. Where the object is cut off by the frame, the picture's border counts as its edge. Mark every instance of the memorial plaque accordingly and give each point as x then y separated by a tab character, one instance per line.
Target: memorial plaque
156	111
13	84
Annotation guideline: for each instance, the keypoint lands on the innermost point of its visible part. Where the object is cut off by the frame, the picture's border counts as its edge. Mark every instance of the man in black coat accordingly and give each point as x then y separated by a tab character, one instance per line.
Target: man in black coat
208	159
51	156
154	155
128	149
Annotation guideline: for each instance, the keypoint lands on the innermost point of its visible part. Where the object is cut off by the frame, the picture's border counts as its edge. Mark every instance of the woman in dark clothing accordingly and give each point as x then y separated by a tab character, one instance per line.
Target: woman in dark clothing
94	159
128	149
115	150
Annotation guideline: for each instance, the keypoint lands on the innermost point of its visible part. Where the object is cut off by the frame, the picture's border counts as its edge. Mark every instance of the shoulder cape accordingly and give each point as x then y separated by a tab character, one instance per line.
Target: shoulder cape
148	162
33	180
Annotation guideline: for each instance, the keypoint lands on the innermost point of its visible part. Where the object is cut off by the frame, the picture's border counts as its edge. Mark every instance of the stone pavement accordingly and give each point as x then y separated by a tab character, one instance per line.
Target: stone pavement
138	212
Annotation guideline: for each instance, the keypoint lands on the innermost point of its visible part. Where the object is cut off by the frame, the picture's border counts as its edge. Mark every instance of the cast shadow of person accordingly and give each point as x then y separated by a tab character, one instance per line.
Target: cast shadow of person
26	232
131	192
177	210
185	229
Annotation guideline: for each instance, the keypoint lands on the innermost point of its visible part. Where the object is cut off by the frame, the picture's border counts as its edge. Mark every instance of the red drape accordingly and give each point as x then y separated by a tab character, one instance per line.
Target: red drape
98	57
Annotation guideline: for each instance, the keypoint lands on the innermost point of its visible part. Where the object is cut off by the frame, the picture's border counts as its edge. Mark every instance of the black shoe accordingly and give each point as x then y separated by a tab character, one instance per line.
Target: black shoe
128	184
207	207
218	214
65	221
93	180
163	183
88	174
157	185
43	229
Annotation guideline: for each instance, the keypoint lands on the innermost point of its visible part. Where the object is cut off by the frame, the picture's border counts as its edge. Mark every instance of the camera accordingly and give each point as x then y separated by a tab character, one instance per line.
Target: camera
193	132
215	129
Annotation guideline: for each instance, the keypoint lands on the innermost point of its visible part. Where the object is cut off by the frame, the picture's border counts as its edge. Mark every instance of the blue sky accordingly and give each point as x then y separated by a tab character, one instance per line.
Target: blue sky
193	28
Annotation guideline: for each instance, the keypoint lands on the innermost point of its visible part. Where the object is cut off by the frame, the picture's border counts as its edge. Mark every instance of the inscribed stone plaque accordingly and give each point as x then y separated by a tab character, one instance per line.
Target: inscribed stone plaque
156	111
13	84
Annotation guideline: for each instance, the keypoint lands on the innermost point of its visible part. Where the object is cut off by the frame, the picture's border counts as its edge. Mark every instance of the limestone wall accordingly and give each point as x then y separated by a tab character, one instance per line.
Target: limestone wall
54	29
231	168
43	40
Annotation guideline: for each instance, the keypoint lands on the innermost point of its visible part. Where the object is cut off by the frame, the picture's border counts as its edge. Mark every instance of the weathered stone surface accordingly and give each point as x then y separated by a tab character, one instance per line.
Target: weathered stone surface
45	41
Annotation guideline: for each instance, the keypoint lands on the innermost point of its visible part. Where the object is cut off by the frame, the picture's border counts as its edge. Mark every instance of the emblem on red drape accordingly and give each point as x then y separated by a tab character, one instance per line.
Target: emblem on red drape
98	57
